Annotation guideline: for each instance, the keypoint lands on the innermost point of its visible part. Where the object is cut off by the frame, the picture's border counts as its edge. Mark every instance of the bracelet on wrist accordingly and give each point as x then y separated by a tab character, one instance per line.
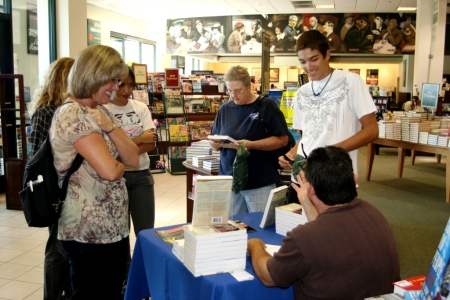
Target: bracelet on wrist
114	127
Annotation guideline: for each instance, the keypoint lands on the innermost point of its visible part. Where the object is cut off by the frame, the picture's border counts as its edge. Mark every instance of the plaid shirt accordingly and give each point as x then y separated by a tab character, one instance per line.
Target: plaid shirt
40	124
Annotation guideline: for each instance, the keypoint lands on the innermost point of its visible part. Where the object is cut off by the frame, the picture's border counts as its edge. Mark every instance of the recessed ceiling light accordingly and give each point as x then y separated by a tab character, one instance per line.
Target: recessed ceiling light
406	8
324	6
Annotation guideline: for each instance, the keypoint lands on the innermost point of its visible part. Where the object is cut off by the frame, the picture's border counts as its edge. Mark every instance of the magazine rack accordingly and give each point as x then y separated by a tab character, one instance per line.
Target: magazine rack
176	131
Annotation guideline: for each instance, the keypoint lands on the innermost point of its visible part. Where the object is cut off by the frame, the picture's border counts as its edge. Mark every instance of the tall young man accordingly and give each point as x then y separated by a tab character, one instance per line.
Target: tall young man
333	108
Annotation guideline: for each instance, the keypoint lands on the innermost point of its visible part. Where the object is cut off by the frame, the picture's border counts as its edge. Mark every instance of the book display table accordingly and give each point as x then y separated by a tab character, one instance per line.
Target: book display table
402	147
156	272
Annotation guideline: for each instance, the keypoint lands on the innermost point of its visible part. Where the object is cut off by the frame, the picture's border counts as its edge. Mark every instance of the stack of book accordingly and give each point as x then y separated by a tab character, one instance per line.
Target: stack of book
214	249
287	217
432	139
197	161
200	148
393	131
404	121
382	129
178	249
211	164
423	137
414	132
442	140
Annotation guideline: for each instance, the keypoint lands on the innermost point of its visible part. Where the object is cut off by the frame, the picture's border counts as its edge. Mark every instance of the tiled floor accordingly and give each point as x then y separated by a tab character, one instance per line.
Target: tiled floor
22	247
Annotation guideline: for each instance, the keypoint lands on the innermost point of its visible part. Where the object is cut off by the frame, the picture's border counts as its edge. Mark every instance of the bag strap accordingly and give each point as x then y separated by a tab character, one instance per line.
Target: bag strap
260	100
73	168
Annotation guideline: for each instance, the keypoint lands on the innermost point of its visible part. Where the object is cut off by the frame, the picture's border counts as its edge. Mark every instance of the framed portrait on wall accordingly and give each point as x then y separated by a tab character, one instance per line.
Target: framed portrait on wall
140	72
32	30
274	74
372	76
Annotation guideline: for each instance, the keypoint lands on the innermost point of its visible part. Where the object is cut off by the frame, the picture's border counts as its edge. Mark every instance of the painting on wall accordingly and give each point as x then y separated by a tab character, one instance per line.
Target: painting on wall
242	34
372	76
274	74
32	30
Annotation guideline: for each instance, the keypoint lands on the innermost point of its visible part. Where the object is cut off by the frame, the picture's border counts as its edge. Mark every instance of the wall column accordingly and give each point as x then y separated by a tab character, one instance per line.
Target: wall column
71	24
430	42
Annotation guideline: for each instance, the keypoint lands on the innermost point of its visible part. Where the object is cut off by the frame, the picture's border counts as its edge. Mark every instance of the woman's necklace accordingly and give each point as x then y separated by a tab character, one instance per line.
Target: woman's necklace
312	85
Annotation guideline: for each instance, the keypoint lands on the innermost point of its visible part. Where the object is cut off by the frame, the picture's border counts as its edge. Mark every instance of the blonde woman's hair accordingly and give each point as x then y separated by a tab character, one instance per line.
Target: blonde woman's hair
94	67
54	89
238	73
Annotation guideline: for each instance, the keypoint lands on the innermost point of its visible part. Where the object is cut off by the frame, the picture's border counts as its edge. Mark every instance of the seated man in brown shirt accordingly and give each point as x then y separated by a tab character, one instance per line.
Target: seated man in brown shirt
346	250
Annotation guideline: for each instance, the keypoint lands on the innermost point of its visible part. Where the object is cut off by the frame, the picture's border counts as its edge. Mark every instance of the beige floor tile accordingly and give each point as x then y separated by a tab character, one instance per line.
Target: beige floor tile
18	290
38	295
4	281
9	254
23	244
12	271
35	275
29	258
20	232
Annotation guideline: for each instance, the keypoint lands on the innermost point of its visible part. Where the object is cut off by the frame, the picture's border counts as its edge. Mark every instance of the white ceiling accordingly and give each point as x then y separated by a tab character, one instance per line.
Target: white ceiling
171	9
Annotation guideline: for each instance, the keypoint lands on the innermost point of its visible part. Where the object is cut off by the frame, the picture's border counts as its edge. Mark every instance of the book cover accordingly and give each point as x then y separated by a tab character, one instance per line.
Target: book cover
277	197
212	200
171	235
437	282
178	133
222	138
174	104
177	152
141	95
187	86
409	284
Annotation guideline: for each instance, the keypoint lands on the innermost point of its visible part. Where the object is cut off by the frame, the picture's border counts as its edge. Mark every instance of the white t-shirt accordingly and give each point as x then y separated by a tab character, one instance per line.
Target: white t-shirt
333	115
135	118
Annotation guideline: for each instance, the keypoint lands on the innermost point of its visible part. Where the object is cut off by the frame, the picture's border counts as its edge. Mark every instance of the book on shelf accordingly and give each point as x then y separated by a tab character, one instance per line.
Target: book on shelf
196	86
437	282
409	284
171	235
174	104
141	96
178	133
177	152
186	85
212	200
277	197
222	138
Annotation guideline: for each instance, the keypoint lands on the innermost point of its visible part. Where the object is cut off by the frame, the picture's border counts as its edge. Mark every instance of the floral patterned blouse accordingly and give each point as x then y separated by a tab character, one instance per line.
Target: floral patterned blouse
95	210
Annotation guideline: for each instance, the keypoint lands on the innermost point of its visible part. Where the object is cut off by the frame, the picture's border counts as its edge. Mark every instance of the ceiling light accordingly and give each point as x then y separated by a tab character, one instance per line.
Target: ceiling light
324	6
406	8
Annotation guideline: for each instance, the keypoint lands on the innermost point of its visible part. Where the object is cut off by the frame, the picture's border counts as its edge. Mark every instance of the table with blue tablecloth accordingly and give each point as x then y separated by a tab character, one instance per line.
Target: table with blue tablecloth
155	271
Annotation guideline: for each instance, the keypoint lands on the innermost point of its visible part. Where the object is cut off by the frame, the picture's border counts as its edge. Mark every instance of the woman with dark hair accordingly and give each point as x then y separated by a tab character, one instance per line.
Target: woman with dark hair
93	227
137	123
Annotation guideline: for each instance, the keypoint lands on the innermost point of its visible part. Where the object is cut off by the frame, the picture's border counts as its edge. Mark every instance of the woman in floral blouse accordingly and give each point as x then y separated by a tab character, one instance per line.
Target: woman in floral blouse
93	227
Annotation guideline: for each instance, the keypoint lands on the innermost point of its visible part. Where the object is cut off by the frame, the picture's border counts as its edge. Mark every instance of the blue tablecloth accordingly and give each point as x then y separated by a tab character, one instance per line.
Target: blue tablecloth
156	272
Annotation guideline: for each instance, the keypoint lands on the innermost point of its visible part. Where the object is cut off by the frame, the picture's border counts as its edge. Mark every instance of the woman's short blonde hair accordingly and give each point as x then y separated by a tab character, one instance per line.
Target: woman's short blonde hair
238	73
94	67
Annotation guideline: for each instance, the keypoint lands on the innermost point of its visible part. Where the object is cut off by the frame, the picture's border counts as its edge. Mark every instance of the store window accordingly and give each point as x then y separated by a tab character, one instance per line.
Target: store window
135	50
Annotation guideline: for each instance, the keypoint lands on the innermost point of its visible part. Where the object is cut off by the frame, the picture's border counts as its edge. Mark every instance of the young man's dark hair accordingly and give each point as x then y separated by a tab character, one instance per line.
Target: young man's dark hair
313	39
330	172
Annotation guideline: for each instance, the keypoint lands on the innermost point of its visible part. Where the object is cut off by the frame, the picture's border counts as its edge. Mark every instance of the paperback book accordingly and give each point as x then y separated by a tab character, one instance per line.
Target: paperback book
277	197
222	138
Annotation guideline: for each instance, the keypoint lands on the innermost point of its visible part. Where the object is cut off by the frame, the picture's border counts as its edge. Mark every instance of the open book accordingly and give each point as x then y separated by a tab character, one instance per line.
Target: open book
276	198
222	138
